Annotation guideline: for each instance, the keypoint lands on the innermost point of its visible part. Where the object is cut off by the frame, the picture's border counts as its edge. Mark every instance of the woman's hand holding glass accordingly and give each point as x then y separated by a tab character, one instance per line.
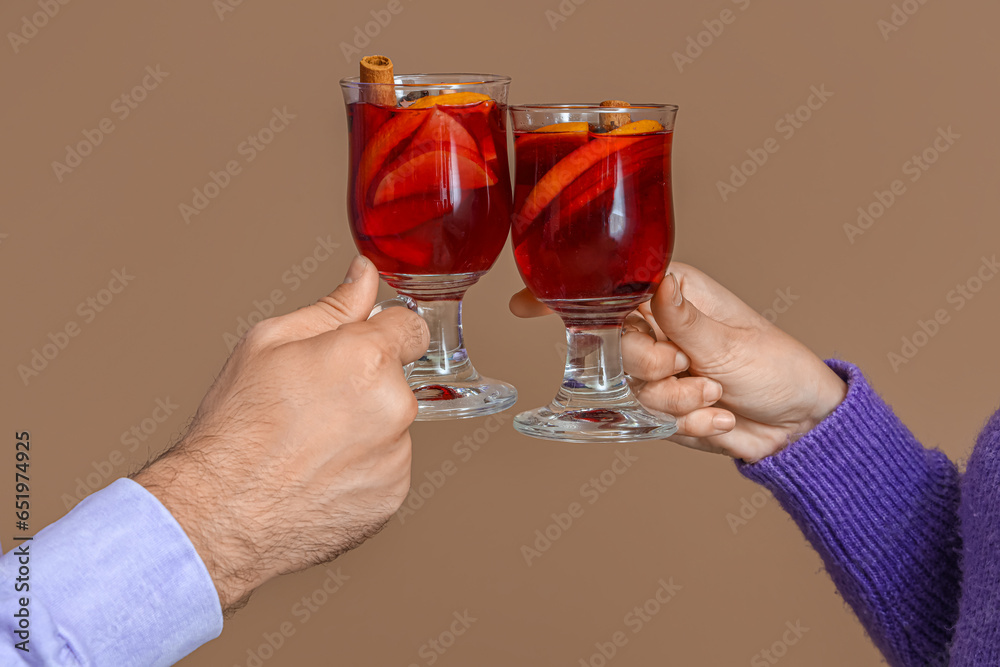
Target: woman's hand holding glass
737	384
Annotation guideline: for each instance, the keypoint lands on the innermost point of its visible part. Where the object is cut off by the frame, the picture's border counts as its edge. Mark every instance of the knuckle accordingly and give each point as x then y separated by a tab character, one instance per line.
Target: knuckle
635	323
364	349
656	395
349	334
365	352
646	363
674	396
405	404
334	308
416	331
695	424
689	316
263	334
407	331
372	364
361	356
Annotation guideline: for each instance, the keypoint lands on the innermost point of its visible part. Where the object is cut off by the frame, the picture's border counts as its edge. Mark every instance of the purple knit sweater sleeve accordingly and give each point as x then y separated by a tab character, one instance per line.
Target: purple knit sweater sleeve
882	512
977	636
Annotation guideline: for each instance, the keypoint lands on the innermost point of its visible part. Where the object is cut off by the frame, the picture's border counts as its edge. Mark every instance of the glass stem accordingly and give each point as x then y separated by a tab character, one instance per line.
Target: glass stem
446	357
594	376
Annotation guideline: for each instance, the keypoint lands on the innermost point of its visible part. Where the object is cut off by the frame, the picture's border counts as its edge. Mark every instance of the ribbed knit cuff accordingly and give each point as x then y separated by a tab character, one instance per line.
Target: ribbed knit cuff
882	512
977	636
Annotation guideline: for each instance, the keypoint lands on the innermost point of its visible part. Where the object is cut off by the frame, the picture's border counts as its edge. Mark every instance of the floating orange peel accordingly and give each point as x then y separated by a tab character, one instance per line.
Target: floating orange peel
637	127
441	131
420	171
565	172
450	99
383	144
580	126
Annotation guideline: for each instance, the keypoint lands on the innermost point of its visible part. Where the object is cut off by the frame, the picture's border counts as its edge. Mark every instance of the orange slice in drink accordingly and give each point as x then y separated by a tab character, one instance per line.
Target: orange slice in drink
418	247
442	131
398	217
450	99
637	127
485	138
647	155
421	171
385	142
416	252
563	173
560	138
576	126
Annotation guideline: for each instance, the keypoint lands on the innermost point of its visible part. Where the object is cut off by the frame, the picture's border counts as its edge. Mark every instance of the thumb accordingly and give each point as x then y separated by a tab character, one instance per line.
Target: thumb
524	304
352	301
700	336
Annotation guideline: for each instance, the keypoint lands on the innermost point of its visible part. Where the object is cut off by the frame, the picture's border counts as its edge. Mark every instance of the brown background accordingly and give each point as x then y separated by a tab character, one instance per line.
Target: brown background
163	336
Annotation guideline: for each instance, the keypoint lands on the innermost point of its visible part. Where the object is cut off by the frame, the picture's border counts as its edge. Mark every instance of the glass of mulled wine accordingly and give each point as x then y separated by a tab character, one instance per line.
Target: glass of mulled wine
429	201
593	233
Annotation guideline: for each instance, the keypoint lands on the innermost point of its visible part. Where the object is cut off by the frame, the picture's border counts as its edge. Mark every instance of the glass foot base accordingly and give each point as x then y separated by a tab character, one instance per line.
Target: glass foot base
595	424
460	400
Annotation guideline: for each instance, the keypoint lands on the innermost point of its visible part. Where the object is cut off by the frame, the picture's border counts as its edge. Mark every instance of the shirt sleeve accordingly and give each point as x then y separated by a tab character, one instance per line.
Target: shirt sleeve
114	582
882	511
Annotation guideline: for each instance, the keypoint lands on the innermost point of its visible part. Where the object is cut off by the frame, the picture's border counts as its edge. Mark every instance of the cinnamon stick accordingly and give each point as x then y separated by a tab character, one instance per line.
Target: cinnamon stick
378	70
611	121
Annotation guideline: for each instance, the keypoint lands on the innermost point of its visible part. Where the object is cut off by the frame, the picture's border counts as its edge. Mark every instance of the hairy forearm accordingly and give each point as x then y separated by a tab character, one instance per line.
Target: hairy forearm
198	501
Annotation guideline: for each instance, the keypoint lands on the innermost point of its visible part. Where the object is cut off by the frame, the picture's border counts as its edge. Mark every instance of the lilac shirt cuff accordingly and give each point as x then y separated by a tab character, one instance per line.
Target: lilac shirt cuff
114	582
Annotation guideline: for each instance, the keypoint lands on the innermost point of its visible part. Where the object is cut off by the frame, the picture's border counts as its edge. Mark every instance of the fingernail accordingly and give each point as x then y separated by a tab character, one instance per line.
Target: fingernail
712	391
724	422
357	268
678	297
682	361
